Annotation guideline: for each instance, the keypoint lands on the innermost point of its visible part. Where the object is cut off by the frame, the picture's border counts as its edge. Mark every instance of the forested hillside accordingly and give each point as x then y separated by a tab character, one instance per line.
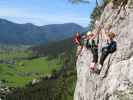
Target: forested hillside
29	34
60	84
53	49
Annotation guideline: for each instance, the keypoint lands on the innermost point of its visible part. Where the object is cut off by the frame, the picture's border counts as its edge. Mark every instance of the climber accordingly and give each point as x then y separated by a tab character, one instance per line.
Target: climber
92	45
108	49
77	40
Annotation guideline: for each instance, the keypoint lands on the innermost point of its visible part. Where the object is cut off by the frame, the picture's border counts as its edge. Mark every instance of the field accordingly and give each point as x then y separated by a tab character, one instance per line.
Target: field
21	72
54	56
9	55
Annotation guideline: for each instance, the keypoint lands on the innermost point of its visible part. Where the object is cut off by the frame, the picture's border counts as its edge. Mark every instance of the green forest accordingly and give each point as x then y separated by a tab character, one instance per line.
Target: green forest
52	65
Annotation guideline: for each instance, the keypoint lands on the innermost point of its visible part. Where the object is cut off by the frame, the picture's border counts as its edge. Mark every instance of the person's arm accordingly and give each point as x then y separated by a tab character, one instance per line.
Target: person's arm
83	36
94	36
95	32
105	35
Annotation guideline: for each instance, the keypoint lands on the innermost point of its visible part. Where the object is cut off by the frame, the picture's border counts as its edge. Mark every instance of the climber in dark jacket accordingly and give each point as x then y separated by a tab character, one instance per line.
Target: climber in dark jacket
108	49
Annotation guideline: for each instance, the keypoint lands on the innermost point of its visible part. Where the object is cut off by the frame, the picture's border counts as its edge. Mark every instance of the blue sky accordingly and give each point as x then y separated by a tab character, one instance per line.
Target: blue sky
43	12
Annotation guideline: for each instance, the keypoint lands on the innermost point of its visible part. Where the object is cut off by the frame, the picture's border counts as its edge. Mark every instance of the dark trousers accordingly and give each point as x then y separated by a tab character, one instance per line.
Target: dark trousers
104	55
94	51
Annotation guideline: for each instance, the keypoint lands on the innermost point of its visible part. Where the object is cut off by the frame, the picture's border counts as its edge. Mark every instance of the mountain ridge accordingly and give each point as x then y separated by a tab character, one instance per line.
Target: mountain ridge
28	33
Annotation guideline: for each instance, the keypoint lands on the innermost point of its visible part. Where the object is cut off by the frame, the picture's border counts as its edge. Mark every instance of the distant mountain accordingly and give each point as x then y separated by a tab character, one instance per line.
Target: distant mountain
13	33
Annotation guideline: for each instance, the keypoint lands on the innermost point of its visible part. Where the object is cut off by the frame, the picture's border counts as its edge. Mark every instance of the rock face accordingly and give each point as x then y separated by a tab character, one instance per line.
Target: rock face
115	81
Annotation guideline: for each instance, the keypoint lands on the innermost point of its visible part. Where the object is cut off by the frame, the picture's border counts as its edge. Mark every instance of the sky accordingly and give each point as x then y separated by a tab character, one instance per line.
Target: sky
44	12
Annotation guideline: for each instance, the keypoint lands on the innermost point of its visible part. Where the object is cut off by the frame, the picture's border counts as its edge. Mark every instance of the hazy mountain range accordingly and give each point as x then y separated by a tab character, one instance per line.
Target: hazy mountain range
13	33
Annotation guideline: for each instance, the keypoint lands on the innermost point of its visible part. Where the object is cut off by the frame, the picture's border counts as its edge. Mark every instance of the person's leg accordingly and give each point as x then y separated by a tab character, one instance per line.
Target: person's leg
95	58
102	59
79	49
103	56
77	52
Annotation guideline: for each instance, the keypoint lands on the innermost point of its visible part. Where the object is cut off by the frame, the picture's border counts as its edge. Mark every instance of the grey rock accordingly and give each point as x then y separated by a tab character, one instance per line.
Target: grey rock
115	81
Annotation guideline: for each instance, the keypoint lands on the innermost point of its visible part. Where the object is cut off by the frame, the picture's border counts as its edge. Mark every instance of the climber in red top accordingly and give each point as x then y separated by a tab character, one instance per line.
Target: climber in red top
77	40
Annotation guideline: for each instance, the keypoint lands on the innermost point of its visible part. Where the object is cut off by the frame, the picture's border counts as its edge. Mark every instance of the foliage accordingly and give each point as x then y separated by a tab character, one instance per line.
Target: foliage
59	86
52	50
24	71
29	34
10	55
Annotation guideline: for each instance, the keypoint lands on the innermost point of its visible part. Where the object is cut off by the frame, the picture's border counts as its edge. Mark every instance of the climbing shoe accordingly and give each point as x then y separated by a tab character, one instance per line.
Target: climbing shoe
95	70
99	66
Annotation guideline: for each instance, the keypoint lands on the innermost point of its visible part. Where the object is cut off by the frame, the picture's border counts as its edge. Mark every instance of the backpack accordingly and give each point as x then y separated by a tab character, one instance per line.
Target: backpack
112	47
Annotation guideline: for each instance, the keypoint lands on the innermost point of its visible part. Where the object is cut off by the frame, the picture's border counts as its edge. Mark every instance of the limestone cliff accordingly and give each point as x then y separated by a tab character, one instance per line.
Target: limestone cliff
116	82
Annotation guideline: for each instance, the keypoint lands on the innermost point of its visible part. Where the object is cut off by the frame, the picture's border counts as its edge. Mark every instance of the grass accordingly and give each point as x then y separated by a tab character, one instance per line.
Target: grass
40	65
26	70
8	55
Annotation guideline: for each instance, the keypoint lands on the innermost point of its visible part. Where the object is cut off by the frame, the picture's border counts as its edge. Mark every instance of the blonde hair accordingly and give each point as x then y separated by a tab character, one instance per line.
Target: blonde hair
111	35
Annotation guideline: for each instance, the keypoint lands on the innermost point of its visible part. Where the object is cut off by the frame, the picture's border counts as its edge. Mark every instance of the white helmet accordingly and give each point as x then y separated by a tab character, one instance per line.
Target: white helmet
89	33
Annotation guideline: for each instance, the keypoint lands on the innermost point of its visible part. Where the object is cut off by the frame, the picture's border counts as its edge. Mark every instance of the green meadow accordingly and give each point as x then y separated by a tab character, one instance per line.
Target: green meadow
24	71
9	55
